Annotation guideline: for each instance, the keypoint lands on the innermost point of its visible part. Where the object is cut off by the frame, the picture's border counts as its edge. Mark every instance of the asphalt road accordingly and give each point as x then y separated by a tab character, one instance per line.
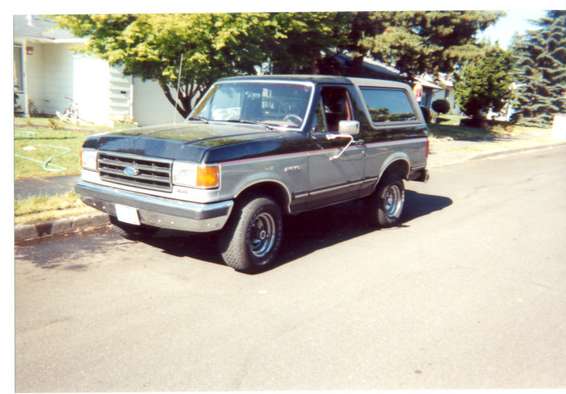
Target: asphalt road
468	293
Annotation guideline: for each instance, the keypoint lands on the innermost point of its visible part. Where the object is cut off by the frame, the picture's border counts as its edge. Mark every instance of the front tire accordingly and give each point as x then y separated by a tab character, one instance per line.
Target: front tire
251	239
385	205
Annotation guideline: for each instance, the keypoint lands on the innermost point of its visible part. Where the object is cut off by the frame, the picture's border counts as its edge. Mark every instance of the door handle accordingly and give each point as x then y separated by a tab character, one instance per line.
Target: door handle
358	142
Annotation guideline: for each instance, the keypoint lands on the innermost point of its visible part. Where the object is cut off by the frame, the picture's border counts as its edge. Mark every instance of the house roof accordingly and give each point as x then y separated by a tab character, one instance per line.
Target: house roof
428	84
41	28
371	67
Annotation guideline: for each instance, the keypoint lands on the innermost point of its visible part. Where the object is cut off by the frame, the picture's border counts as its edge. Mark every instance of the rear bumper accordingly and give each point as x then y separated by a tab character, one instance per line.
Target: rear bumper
158	211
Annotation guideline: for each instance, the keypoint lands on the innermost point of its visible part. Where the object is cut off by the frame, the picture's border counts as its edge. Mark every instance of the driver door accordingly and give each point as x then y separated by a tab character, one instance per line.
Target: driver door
334	180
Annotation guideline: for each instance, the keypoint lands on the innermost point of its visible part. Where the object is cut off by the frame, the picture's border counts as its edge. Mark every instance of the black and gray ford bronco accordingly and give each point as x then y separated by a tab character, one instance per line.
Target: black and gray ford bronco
255	149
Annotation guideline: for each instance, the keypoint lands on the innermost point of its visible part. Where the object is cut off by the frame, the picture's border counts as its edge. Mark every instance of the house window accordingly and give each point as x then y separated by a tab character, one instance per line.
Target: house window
18	68
388	105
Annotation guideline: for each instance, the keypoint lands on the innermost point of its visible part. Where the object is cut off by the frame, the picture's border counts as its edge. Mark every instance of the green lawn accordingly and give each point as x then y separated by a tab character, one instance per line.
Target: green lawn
47	147
449	126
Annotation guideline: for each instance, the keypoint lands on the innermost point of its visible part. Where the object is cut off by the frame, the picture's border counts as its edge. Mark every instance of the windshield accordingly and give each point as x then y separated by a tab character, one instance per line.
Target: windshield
275	104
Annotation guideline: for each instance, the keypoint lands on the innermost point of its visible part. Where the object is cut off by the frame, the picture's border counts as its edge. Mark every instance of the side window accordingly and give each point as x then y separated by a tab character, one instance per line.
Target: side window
319	120
335	106
388	105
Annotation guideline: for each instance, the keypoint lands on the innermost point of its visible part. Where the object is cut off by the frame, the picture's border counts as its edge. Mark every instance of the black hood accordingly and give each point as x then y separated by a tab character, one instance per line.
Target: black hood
190	141
185	141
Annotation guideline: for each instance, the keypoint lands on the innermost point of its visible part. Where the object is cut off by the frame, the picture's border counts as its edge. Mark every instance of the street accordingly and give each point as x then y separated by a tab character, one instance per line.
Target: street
467	293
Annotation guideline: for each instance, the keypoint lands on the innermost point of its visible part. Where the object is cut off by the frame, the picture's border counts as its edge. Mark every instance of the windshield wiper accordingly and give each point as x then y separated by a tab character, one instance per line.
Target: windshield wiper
267	126
200	118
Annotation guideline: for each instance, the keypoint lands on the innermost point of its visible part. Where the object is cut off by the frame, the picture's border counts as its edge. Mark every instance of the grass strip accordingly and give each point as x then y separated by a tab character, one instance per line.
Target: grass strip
41	208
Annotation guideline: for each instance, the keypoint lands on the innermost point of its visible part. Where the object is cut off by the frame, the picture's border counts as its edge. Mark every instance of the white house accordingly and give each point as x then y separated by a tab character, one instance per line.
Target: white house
49	75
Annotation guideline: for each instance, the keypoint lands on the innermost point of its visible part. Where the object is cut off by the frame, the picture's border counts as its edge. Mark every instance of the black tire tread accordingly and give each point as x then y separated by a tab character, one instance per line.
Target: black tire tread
377	217
232	240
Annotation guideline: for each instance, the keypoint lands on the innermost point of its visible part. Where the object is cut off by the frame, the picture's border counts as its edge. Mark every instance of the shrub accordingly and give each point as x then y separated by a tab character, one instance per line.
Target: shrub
441	106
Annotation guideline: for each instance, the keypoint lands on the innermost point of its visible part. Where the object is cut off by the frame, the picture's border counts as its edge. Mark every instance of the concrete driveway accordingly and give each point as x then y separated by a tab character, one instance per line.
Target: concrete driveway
468	293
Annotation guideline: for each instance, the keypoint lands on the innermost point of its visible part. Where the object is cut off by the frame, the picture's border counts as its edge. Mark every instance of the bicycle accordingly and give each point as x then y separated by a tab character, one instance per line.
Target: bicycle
71	113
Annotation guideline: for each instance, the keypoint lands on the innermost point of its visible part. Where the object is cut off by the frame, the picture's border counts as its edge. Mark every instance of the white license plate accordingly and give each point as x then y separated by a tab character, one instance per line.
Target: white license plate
127	214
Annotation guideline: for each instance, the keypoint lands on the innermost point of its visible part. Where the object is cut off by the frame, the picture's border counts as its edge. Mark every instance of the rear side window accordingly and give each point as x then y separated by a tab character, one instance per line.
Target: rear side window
388	105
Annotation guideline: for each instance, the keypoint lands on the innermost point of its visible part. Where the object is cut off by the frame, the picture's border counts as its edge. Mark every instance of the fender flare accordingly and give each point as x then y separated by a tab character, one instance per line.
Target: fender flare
394	157
245	186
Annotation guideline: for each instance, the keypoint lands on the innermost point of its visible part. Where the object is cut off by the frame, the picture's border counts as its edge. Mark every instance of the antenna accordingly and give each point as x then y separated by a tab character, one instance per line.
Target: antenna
178	88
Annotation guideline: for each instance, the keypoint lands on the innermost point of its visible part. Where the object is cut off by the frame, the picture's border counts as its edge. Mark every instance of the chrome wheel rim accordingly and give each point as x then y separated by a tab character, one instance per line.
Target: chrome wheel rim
392	201
262	235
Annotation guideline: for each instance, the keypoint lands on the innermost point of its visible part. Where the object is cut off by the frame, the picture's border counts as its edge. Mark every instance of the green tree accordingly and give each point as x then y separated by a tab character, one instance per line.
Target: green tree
417	42
212	46
217	45
540	56
484	83
301	37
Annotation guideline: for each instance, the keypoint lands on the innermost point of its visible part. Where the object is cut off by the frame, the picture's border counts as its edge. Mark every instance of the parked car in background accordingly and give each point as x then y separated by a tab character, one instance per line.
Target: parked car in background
258	148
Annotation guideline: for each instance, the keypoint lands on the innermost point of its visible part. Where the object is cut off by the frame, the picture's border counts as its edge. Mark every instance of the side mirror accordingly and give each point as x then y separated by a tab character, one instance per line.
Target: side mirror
350	127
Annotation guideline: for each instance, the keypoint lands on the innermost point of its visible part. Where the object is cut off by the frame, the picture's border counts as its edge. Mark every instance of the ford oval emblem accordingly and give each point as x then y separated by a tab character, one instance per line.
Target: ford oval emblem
131	171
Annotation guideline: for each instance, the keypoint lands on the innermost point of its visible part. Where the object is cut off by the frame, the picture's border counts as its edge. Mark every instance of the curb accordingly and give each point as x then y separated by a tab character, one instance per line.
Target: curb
517	150
30	232
501	153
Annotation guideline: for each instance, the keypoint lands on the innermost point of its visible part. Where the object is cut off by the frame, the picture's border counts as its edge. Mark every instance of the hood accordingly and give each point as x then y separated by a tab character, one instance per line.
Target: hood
187	141
192	131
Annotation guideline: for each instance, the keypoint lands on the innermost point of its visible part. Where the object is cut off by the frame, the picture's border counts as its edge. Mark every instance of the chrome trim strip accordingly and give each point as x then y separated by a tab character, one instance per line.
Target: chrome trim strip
332	188
397	142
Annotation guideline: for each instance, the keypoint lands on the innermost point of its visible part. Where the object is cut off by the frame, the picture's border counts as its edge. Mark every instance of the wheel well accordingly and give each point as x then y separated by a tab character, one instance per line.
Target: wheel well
271	189
399	167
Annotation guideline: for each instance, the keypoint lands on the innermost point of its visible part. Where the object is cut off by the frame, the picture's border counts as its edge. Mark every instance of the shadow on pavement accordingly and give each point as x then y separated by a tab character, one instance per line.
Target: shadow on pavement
304	233
63	250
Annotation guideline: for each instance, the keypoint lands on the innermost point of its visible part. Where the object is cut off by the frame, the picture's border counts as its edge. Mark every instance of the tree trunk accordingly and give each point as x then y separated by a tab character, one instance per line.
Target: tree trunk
181	106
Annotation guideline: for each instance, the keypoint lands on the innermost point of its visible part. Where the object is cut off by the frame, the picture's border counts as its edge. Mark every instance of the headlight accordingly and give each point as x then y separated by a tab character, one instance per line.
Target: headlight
88	159
196	175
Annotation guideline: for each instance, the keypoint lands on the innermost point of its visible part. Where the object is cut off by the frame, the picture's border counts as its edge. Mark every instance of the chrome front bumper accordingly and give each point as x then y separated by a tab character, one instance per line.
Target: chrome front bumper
158	211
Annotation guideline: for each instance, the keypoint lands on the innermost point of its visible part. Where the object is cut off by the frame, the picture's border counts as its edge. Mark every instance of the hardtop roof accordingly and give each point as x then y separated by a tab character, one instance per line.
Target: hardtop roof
320	79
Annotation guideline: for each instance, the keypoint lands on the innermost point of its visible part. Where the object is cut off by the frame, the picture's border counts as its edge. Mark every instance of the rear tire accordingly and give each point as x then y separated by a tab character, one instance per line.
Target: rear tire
252	237
385	204
132	231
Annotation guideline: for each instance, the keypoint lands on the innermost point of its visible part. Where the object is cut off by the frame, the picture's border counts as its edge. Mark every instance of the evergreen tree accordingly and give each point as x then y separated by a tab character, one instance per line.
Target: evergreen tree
484	83
416	42
540	56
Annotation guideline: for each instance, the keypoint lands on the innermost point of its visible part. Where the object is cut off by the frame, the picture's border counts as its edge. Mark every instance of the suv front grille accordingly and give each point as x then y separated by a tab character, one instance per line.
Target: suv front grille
137	171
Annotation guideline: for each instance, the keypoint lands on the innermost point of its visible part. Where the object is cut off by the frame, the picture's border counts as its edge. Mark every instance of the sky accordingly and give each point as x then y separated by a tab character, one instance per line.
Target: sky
514	21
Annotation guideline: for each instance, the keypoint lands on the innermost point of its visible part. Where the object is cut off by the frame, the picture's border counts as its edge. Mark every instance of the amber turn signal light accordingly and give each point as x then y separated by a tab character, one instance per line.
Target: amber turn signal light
208	177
